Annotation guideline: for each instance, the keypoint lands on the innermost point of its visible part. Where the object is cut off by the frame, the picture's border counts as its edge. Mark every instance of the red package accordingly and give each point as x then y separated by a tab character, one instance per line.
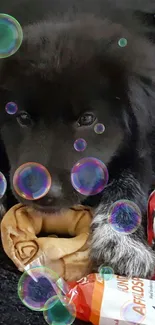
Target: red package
82	294
151	219
117	301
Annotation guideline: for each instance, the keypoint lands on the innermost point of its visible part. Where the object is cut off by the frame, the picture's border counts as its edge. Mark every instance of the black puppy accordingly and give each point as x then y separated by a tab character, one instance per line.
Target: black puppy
69	74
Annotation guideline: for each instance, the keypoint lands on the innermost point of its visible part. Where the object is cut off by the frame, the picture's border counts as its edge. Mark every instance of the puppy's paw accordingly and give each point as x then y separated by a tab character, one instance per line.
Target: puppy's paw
126	254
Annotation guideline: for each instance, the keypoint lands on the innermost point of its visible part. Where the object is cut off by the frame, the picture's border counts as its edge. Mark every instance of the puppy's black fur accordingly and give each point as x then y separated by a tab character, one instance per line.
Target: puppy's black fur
68	74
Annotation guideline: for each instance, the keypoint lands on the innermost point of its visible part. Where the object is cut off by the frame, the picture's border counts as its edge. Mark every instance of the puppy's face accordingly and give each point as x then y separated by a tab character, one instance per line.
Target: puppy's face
65	78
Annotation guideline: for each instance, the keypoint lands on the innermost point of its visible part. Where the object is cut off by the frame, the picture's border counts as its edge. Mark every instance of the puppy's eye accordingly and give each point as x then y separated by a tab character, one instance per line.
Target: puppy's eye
24	119
86	119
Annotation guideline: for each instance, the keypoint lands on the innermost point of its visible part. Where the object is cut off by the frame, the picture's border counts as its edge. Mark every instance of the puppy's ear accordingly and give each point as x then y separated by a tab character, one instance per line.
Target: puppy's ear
142	99
141	84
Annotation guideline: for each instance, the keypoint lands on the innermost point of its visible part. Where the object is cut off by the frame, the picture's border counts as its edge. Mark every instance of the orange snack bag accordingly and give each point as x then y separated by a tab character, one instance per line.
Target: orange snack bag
83	294
119	301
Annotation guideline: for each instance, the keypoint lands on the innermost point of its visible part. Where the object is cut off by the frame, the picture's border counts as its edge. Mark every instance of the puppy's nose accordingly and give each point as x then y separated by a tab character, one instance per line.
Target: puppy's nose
55	190
32	181
54	194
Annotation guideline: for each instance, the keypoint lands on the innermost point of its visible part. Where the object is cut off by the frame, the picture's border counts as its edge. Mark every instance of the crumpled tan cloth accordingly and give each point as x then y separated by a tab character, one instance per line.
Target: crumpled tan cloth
68	257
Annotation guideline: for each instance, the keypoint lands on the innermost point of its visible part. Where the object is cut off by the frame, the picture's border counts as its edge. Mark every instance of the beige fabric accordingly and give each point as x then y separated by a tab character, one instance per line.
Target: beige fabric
69	257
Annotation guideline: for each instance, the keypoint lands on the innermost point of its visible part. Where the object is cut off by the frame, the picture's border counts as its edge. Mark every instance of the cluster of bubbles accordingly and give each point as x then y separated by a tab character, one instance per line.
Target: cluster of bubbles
11	35
106	273
89	175
81	144
32	181
41	289
129	315
124	217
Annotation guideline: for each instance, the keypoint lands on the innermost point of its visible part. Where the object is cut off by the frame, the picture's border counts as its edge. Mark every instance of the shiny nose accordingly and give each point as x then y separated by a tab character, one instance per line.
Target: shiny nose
52	196
33	182
55	190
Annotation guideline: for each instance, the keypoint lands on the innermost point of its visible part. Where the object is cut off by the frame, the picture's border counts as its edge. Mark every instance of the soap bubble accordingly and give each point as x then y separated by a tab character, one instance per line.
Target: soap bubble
11	35
124	216
3	185
122	42
89	176
99	128
106	272
59	311
80	145
62	284
32	181
34	294
11	108
129	313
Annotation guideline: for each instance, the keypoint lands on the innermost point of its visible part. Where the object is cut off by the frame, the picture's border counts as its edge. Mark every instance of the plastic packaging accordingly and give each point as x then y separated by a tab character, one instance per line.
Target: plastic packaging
151	220
118	301
112	300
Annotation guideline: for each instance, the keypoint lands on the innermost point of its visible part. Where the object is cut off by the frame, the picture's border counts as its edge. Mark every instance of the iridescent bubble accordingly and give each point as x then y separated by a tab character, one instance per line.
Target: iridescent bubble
11	35
59	311
122	42
80	145
34	294
63	286
11	108
3	185
99	128
129	313
32	181
106	272
89	176
124	216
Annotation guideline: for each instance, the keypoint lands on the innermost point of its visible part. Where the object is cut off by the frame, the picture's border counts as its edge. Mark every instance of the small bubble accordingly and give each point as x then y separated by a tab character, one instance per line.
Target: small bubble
99	128
3	185
122	42
11	35
106	272
124	216
129	313
11	108
59	311
80	145
32	181
89	176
